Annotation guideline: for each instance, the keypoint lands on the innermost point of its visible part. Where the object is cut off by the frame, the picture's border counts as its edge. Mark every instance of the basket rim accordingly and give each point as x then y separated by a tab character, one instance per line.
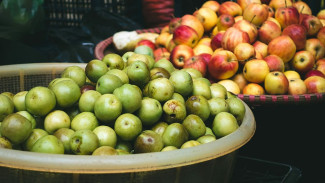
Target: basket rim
102	45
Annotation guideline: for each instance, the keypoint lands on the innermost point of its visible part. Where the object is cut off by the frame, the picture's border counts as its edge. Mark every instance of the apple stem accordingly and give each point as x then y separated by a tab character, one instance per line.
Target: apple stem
302	9
285	2
252	19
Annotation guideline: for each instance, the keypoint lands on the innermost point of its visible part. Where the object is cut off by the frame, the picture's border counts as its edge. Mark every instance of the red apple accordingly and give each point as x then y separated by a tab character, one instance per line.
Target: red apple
286	16
276	83
261	48
303	61
225	21
160	53
298	35
316	47
196	62
297	87
302	7
179	54
249	28
223	66
311	23
315	84
314	72
231	8
255	13
268	31
184	34
282	46
86	87
275	63
321	35
216	40
192	21
232	37
206	57
146	42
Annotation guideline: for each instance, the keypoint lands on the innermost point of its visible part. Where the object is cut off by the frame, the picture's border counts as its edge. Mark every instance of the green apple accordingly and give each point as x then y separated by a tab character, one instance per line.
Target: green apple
64	135
224	124
113	61
76	73
107	108
160	89
95	69
175	135
150	111
84	142
19	101
67	93
40	101
182	82
6	106
84	120
36	134
130	97
55	120
121	74
190	143
105	151
194	126
148	141
87	100
128	126
106	135
48	144
108	83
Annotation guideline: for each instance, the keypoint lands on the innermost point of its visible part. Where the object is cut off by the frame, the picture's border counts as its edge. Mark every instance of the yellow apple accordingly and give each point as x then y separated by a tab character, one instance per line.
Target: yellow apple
255	70
253	89
207	17
230	85
297	87
291	74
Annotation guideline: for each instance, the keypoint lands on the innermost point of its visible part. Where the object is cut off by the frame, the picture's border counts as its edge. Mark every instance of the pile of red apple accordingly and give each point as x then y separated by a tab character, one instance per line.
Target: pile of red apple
252	47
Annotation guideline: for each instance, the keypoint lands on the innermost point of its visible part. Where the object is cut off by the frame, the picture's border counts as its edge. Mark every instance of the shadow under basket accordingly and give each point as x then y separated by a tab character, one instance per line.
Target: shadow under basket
212	162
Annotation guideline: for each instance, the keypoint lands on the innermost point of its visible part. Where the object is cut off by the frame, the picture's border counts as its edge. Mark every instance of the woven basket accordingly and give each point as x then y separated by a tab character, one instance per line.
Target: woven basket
105	47
214	161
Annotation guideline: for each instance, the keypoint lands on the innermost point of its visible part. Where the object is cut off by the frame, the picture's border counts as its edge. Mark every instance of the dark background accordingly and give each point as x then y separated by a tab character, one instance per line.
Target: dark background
289	134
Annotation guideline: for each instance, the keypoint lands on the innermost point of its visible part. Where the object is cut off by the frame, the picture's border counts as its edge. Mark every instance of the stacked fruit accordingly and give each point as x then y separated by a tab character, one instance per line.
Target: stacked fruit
250	46
119	105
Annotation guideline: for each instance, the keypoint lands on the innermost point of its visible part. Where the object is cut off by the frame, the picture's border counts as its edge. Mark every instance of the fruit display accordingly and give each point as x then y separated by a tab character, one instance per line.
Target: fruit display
259	41
122	104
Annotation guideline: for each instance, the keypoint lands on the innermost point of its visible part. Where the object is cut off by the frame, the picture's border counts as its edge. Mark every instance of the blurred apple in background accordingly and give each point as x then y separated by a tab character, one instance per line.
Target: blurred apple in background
276	83
321	14
316	47
314	72
302	7
196	62
184	34
253	89
232	37
249	28
213	5
244	3
315	84
275	63
276	4
297	87
286	16
162	39
255	13
223	66
224	22
255	70
207	17
298	34
244	52
261	48
282	46
192	21
230	8
179	54
321	35
320	65
173	24
311	23
268	31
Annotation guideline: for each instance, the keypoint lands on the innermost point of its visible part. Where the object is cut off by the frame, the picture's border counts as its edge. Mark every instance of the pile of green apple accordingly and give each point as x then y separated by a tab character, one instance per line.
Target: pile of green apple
251	47
122	104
